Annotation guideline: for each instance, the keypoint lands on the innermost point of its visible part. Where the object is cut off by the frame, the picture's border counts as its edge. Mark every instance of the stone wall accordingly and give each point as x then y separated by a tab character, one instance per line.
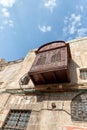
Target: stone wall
43	115
79	56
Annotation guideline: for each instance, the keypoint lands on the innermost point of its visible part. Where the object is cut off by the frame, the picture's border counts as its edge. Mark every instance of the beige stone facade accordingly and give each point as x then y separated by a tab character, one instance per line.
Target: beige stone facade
43	116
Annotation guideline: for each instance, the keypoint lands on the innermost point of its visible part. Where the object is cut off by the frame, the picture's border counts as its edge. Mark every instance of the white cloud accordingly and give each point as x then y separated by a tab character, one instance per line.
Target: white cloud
79	7
72	23
65	20
1	28
7	3
81	32
7	20
6	15
75	18
11	23
50	4
73	26
5	12
72	29
44	28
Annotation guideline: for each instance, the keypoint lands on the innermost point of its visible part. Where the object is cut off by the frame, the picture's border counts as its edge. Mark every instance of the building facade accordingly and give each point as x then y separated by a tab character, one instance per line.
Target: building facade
47	90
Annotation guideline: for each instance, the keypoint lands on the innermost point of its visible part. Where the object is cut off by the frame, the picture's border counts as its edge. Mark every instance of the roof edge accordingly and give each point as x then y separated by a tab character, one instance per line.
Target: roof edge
76	40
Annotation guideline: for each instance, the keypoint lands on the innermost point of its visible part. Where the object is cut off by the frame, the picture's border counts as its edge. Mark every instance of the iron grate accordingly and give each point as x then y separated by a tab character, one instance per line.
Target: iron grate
79	108
83	74
17	120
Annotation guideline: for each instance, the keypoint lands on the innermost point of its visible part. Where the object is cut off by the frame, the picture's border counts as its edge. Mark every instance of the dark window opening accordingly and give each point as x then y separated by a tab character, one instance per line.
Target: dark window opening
41	60
83	74
56	57
17	120
24	80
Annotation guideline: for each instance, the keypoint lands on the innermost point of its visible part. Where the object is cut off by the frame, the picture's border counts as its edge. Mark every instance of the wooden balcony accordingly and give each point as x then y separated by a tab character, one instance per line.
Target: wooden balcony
51	64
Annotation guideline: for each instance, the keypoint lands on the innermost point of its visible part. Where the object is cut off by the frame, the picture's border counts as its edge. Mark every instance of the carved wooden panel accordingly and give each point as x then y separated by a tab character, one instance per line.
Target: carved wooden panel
50	60
79	108
51	64
41	59
52	45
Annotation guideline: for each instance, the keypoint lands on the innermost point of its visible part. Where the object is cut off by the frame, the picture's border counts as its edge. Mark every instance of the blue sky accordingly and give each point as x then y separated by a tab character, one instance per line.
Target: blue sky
28	24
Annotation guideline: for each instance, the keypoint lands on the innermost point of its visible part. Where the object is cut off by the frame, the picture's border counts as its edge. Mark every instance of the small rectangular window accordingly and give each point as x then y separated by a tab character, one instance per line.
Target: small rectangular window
17	120
83	74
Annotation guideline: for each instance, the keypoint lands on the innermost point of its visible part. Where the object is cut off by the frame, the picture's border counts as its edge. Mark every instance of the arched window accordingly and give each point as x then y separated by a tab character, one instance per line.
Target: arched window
56	57
79	107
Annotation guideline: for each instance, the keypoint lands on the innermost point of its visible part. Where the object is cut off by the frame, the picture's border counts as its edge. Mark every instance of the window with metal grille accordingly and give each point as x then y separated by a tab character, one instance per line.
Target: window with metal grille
17	120
41	60
56	57
79	107
83	74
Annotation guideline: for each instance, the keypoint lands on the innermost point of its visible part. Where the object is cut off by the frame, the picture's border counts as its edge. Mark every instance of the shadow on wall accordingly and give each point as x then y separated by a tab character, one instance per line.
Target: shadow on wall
64	96
73	72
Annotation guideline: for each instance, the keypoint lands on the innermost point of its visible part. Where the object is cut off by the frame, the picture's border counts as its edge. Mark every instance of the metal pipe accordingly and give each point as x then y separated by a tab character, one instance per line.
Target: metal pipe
36	92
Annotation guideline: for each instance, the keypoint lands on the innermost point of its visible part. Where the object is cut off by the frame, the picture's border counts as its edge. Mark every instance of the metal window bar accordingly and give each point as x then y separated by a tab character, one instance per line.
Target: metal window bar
79	108
17	120
83	74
